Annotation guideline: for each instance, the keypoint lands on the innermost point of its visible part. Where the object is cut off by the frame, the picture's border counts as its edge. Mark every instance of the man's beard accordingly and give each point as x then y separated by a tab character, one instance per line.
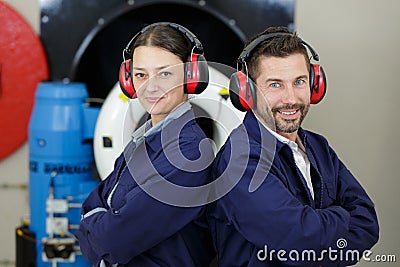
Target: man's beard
289	126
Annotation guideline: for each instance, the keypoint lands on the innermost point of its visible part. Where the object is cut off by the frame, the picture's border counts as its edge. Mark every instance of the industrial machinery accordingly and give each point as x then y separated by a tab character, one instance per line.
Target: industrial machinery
61	173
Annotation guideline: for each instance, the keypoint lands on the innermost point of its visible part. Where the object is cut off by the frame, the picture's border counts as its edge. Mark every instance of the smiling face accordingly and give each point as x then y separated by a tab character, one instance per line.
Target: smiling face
158	77
283	89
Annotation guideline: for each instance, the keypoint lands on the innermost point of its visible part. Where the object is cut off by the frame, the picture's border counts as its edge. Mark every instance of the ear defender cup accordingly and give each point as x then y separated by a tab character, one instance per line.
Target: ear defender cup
197	76
317	83
241	91
125	79
196	68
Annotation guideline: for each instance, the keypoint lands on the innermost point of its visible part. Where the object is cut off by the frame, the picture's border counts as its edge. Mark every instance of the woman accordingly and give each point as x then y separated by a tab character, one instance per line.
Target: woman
142	214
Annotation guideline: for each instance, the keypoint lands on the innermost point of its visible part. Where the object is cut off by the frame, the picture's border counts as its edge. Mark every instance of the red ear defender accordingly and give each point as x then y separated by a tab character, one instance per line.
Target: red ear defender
241	91
197	76
125	79
317	83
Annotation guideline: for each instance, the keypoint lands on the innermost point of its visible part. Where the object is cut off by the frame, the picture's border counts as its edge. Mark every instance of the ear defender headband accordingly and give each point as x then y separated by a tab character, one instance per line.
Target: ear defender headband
242	90
196	68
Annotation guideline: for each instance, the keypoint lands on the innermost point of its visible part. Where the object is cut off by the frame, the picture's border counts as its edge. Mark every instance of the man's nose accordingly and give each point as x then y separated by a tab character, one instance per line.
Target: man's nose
289	95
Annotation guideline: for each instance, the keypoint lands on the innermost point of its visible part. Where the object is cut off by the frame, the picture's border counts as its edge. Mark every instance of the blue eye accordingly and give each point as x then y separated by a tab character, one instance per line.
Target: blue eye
275	85
299	82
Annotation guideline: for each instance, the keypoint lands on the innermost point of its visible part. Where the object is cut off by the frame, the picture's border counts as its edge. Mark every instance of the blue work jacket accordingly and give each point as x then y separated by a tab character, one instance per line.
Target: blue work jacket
270	208
125	225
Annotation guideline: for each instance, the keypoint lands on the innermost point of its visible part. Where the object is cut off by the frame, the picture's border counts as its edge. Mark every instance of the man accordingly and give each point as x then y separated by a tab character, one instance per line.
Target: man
293	201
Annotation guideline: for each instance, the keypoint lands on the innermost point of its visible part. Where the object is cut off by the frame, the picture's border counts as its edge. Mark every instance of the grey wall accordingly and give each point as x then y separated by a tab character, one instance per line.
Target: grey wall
357	42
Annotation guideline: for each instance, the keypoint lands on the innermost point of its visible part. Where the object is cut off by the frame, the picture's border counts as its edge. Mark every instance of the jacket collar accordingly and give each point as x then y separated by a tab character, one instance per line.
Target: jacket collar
169	128
146	129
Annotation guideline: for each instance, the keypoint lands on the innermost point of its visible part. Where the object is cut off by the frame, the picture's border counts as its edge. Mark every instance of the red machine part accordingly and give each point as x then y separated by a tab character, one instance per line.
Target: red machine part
23	64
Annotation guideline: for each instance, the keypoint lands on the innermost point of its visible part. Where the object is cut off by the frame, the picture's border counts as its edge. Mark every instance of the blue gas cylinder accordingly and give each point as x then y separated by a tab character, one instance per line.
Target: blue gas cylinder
61	176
